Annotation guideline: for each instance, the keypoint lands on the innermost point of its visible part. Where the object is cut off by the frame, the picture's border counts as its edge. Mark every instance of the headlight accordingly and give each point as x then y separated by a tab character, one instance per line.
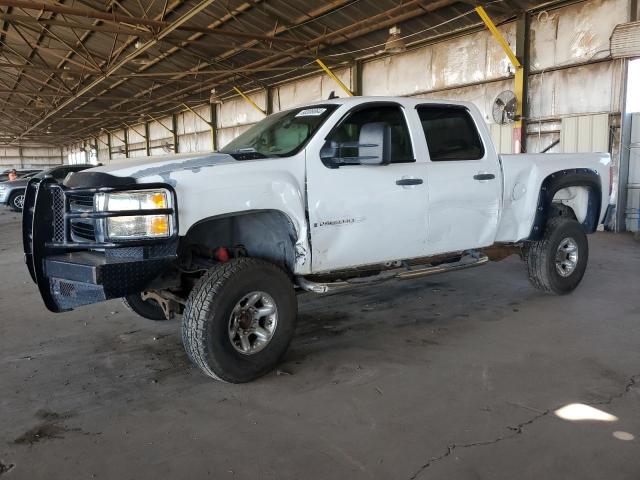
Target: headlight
132	200
130	227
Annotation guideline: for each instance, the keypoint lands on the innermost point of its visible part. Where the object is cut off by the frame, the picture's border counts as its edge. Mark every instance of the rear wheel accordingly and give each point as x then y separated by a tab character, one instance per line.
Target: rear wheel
148	309
239	320
16	201
557	263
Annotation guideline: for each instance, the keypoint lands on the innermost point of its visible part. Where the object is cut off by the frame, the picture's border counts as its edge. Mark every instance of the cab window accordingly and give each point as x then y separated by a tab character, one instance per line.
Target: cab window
348	131
451	133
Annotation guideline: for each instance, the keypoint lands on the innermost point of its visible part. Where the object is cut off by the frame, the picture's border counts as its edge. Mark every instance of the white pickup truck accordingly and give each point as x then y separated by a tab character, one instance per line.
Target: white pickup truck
337	194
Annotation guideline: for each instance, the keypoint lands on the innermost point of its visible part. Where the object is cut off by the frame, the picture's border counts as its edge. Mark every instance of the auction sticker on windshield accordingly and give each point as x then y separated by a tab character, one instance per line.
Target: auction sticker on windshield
311	112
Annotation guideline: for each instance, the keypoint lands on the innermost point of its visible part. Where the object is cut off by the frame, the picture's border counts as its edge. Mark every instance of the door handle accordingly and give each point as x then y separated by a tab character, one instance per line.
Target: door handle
409	181
484	176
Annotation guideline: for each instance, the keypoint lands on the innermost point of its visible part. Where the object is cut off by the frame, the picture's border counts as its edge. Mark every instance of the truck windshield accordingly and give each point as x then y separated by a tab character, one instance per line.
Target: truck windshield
279	135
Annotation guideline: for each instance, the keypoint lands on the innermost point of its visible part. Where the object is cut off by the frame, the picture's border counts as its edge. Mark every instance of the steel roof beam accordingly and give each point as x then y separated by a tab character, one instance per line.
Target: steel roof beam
368	25
291	53
157	24
171	27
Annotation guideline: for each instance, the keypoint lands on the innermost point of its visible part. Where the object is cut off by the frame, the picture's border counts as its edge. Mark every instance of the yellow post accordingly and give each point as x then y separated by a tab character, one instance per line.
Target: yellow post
197	114
249	101
333	77
518	87
498	36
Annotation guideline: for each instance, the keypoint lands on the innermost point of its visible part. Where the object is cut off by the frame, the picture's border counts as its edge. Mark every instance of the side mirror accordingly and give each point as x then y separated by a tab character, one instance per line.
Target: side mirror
372	148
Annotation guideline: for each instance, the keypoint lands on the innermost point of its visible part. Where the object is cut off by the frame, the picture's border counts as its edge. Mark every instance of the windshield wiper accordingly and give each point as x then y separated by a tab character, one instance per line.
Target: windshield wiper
244	150
248	153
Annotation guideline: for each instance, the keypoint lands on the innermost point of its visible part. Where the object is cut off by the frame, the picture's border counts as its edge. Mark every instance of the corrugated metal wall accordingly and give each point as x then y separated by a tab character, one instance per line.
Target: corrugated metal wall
585	133
30	157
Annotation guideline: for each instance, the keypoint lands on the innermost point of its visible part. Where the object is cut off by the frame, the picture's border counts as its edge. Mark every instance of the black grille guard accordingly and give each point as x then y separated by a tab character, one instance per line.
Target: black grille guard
47	240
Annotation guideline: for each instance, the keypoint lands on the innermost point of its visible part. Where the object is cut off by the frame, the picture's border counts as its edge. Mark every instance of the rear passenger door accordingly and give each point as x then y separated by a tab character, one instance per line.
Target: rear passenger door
464	180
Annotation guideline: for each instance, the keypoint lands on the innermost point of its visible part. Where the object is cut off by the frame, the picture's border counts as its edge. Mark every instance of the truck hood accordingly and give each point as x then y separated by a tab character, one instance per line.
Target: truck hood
164	165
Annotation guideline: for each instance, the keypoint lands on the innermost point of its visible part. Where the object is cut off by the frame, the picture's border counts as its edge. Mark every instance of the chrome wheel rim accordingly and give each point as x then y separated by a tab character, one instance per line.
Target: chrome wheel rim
19	201
567	257
253	322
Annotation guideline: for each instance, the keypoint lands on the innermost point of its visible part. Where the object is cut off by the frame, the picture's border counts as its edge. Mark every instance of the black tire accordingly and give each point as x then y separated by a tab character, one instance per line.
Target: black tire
148	309
541	257
16	200
206	319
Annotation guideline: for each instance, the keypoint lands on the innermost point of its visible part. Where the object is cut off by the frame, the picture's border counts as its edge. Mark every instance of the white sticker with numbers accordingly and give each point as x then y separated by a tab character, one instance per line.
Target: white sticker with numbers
311	112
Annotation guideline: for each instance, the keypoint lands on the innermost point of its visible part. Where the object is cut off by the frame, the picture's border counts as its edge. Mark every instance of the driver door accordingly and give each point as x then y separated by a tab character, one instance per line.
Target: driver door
367	213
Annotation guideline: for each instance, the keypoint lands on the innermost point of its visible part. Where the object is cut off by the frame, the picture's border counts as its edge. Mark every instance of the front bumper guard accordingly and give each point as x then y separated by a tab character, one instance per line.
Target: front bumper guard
70	273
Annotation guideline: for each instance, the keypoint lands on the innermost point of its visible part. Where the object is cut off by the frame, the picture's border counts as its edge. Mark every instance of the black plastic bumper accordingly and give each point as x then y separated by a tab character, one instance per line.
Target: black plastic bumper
72	271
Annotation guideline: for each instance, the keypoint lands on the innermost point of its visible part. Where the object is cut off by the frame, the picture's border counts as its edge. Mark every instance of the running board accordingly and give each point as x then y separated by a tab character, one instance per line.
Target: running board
470	259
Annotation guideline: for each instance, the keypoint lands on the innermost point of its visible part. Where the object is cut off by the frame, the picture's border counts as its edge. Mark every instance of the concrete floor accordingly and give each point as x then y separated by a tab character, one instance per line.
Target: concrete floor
449	377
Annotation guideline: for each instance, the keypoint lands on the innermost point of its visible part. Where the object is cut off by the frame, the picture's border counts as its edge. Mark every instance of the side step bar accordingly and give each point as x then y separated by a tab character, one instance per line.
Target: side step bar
470	259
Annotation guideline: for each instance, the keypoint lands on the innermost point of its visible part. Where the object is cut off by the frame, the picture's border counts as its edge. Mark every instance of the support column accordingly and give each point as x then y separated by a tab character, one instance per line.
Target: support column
620	224
521	84
109	147
126	142
174	131
213	125
147	142
269	100
356	75
520	77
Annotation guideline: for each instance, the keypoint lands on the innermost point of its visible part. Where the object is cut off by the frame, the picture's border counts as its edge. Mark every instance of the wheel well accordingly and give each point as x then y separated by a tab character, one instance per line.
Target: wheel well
575	192
16	192
572	201
266	234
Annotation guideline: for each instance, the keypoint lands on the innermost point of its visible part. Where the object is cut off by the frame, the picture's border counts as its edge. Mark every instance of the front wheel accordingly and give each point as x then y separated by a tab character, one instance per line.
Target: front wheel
557	263
239	320
16	201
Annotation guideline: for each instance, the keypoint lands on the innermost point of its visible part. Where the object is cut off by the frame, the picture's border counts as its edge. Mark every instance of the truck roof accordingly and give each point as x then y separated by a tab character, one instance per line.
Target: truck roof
406	101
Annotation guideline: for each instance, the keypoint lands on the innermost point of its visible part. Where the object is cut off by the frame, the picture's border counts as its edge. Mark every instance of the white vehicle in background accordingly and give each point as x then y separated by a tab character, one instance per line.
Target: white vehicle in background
342	193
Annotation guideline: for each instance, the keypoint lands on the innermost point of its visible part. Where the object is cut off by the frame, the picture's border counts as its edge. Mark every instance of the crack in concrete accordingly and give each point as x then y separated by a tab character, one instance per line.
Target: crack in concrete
517	429
627	388
5	467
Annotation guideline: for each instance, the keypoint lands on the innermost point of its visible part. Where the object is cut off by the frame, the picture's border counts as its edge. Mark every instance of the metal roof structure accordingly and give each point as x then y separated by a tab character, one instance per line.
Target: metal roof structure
70	68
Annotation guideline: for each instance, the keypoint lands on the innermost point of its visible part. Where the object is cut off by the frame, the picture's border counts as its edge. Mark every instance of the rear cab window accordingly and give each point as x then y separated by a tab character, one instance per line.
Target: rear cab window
451	133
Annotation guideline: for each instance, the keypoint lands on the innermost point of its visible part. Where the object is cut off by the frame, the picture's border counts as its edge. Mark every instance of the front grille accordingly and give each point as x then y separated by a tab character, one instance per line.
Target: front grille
83	231
80	202
58	214
70	294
